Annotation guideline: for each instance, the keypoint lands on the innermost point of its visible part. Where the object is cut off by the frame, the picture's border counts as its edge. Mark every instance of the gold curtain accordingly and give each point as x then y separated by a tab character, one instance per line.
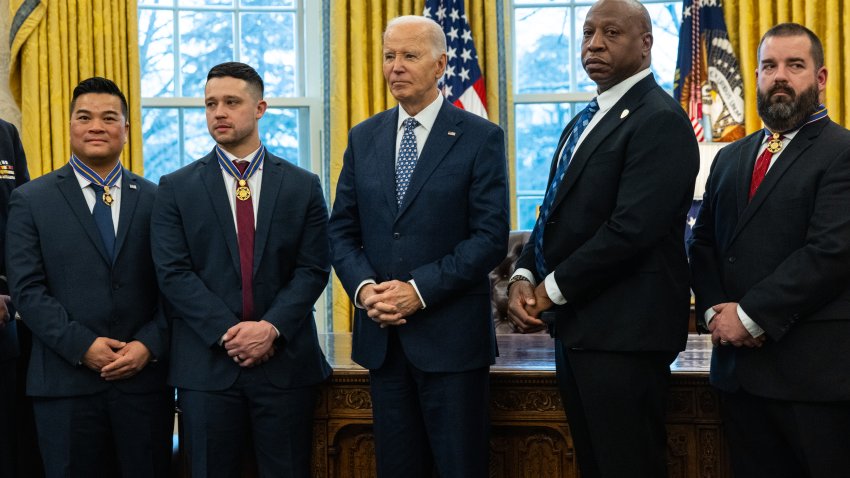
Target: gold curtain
357	88
747	21
55	45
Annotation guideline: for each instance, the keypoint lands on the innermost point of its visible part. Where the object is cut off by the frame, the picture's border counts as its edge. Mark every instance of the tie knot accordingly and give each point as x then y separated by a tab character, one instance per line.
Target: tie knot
97	188
410	124
241	166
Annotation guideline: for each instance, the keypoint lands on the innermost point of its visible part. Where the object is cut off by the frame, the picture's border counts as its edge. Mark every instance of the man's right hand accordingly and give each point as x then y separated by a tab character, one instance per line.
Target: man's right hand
520	299
102	353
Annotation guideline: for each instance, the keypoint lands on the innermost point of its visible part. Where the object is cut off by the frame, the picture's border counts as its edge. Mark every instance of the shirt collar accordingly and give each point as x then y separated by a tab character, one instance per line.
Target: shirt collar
231	157
608	98
785	136
426	118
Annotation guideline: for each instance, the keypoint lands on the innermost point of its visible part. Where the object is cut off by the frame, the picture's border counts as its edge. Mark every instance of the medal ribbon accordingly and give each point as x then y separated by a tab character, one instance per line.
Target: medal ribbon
92	176
230	168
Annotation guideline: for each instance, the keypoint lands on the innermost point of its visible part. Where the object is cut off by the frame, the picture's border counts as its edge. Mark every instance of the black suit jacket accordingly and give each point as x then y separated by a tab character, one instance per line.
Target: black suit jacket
69	292
615	235
785	257
197	259
451	230
13	173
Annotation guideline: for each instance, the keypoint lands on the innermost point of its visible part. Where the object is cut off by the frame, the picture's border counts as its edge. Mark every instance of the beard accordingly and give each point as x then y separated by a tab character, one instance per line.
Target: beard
783	114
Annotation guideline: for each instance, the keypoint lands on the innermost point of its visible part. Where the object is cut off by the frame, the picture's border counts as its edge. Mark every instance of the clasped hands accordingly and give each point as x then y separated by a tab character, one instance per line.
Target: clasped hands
525	304
116	360
388	303
727	329
250	342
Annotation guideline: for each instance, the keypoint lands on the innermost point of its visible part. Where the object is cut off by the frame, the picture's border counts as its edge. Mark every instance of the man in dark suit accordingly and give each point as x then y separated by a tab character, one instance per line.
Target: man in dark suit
13	173
81	275
414	236
606	261
241	249
770	263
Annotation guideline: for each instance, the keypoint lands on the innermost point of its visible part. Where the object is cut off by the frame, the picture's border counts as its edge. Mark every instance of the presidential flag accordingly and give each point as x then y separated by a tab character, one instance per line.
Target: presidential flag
708	80
463	83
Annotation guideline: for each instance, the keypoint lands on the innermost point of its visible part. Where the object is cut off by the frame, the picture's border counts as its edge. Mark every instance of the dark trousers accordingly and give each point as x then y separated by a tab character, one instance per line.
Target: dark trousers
218	425
107	434
423	419
615	404
8	430
784	439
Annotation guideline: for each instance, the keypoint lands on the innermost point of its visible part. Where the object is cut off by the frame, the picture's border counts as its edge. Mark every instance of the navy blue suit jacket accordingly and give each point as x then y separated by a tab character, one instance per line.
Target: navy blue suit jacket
13	173
615	235
785	257
451	230
197	259
69	292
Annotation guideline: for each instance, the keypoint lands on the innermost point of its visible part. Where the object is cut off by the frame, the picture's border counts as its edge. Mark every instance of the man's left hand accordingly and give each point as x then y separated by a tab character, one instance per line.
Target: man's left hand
133	358
726	328
393	301
542	302
250	343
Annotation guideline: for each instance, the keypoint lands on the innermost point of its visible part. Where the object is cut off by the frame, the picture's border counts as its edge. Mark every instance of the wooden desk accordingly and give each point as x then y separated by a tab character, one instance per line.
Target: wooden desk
530	435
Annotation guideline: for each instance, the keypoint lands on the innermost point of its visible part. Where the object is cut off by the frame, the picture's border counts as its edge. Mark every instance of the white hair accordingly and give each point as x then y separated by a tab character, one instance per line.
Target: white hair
434	31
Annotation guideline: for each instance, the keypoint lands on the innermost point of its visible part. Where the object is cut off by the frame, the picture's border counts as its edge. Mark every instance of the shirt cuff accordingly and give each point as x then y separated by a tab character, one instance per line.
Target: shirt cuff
752	327
709	314
553	291
527	274
421	300
357	293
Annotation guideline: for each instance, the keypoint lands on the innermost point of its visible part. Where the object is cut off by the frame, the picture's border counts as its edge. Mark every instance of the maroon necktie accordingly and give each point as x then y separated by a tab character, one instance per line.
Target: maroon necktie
760	170
245	234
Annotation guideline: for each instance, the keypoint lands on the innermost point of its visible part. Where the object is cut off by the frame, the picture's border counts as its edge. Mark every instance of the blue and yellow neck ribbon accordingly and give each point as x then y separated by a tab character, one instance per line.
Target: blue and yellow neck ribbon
774	144
109	181
243	193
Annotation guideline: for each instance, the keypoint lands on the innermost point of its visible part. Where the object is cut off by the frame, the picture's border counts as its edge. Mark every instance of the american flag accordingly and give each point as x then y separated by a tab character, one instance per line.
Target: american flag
463	83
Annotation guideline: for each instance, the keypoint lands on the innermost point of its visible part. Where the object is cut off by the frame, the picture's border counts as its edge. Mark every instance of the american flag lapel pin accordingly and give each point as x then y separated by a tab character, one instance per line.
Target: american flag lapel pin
452	133
132	186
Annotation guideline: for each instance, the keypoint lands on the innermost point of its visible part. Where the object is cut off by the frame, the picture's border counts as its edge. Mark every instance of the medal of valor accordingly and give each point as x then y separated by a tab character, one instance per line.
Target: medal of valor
774	144
107	198
242	191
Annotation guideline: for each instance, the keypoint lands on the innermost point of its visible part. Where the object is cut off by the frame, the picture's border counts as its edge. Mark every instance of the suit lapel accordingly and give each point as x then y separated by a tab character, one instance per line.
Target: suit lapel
129	199
271	185
801	142
436	147
385	148
631	101
69	186
214	184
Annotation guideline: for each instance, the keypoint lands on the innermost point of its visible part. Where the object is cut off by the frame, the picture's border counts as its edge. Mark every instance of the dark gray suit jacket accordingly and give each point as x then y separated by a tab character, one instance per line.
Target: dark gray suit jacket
69	292
785	257
197	260
451	230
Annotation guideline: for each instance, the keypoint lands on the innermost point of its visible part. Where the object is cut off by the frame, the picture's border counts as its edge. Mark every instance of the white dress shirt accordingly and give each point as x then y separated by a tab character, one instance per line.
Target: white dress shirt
254	183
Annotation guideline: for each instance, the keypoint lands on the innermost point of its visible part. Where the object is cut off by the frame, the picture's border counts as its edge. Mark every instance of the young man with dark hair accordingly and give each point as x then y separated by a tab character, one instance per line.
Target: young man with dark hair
241	250
81	275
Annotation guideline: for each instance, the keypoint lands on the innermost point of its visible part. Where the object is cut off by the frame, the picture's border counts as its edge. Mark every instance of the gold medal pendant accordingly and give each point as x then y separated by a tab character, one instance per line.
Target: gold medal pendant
242	191
774	144
107	198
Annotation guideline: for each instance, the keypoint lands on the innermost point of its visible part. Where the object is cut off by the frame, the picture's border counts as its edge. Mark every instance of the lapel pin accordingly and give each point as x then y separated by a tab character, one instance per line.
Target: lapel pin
624	113
132	186
452	133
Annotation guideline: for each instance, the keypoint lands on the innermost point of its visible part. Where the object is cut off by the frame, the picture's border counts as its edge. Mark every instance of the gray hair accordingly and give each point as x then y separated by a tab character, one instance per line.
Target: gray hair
434	32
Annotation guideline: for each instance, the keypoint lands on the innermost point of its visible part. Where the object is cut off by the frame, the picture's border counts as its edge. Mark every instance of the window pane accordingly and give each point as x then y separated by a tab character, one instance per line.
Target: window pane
156	52
160	127
206	39
666	19
268	44
538	128
266	3
202	3
197	141
143	3
542	50
279	132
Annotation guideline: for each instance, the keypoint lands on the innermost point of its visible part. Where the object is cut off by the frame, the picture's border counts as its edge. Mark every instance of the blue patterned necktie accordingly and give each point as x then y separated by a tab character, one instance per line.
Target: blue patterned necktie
584	119
407	155
103	219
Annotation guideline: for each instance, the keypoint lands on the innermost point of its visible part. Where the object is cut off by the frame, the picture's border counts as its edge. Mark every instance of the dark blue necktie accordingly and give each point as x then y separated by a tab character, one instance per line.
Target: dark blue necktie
584	119
103	218
407	156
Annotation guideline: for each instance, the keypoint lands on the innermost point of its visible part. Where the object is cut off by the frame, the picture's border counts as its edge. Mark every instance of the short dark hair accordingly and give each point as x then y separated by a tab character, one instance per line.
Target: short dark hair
240	71
792	30
97	84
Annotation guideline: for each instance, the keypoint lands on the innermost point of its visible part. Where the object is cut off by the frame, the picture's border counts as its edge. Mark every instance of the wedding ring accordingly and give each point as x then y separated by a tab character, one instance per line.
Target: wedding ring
724	342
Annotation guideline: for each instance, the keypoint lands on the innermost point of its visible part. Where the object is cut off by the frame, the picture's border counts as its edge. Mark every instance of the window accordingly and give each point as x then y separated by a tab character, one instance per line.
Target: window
550	85
180	40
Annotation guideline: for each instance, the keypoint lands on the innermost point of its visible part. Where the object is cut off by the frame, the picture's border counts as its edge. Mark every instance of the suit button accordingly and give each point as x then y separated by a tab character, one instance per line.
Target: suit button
115	286
731	259
396	235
